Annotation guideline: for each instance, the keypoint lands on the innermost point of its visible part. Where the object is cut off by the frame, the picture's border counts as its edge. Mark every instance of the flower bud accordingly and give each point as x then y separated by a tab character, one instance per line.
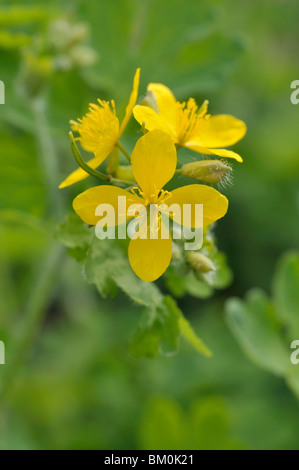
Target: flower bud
124	173
199	262
209	171
113	162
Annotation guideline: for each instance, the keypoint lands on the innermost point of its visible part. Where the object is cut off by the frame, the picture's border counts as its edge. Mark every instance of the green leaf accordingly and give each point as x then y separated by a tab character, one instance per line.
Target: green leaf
210	427
222	277
107	267
21	181
73	233
189	334
180	285
158	331
103	263
259	325
181	280
162	426
190	52
204	426
286	292
216	56
255	326
292	379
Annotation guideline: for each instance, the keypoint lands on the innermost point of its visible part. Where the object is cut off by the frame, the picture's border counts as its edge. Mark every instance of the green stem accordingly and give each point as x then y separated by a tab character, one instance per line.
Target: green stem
123	150
33	315
48	156
83	164
92	171
43	288
119	181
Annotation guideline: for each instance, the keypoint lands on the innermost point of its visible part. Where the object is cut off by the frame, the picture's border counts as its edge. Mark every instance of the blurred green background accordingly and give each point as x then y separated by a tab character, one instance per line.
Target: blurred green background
68	382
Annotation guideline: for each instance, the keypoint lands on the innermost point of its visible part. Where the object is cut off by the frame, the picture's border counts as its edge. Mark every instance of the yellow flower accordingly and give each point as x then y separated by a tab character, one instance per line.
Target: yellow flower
153	164
99	131
190	126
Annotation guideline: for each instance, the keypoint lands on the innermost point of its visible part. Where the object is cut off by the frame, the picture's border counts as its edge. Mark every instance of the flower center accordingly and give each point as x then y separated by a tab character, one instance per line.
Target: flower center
98	126
189	116
156	198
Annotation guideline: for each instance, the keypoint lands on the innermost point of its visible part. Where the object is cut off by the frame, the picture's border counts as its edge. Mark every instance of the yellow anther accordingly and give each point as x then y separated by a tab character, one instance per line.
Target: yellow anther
189	117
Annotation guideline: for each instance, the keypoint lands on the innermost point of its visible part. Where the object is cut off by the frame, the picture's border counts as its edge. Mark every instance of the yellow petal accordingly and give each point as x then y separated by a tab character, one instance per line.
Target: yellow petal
132	102
152	120
214	203
227	154
98	133
153	162
166	102
150	258
222	130
87	202
197	147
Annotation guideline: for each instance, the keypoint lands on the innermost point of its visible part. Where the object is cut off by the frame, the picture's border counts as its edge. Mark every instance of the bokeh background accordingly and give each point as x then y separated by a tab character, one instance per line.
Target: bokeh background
69	382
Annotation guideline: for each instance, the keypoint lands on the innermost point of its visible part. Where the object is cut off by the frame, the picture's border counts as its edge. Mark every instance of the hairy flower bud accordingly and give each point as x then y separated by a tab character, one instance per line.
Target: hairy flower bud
209	171
199	262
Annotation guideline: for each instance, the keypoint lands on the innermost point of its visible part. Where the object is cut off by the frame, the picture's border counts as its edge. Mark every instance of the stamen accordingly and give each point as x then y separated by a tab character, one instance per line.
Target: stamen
189	116
136	191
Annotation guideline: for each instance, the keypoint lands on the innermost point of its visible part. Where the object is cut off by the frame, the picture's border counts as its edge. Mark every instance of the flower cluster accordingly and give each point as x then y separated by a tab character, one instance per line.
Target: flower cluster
167	125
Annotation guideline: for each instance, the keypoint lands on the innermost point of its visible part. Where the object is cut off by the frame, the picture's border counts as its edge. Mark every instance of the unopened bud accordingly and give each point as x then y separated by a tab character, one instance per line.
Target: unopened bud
124	173
209	171
199	262
113	162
